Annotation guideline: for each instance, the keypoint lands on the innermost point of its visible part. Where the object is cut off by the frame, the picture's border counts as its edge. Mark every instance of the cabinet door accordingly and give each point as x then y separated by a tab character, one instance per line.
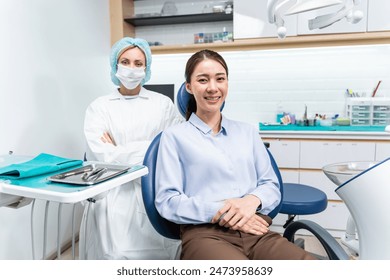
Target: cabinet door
285	152
251	21
382	151
342	26
334	218
318	179
378	15
316	154
290	176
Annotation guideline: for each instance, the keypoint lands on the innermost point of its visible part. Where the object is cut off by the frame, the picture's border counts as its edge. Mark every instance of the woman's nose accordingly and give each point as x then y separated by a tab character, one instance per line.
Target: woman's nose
212	86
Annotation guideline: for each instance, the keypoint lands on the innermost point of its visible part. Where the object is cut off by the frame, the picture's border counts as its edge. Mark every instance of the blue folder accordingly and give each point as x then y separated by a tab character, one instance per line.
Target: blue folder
41	164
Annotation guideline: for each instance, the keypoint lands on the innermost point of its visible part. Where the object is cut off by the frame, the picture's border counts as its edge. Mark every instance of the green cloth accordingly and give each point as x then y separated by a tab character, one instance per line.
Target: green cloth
41	164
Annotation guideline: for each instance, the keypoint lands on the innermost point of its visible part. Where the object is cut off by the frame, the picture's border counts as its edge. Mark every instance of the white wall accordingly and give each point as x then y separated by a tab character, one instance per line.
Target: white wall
54	61
54	58
317	77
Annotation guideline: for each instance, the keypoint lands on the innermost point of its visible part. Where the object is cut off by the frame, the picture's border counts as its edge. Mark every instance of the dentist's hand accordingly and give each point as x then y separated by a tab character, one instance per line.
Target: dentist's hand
107	138
237	211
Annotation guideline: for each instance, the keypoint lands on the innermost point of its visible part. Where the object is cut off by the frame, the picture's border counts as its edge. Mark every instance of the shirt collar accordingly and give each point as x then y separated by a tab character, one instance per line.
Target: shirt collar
116	95
204	128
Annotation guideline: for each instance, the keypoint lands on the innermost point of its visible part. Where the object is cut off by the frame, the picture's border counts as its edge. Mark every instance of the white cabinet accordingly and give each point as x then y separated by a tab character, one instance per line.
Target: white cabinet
382	151
342	26
316	154
378	15
333	218
317	179
251	21
301	160
285	153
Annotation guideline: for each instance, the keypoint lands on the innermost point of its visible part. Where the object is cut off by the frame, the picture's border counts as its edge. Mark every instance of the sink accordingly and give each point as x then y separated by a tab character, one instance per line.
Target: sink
339	173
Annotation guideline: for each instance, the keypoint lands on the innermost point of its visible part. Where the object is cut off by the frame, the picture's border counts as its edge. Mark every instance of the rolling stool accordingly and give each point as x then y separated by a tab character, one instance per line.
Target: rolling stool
300	199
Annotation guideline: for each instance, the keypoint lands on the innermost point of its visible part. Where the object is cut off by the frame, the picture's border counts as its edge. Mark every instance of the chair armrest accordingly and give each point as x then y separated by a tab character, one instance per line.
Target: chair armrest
330	244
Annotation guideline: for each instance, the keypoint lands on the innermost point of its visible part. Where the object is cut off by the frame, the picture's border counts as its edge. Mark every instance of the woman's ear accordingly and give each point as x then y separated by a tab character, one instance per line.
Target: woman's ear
188	88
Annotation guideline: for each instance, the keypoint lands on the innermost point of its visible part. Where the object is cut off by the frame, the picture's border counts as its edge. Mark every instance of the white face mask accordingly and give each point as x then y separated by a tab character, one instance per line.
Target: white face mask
130	77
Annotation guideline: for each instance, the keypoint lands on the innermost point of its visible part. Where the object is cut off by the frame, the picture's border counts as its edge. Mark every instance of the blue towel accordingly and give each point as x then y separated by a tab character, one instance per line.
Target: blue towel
41	164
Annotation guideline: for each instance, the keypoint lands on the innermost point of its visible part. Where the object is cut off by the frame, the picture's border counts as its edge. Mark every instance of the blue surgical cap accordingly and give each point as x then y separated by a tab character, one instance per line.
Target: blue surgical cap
119	47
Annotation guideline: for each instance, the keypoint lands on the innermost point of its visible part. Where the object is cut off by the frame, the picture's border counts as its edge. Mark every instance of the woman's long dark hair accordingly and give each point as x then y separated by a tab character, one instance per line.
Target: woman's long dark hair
192	62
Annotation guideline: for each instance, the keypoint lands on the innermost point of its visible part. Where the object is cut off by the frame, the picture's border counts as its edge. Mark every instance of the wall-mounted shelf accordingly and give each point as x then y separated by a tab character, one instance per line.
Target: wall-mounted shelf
179	19
331	40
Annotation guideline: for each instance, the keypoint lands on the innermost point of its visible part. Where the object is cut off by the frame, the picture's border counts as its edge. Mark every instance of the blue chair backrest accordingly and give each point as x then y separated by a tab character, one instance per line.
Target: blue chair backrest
274	212
161	225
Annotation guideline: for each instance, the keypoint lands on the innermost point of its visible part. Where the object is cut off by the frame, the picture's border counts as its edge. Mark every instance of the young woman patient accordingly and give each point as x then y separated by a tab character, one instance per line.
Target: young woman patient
214	176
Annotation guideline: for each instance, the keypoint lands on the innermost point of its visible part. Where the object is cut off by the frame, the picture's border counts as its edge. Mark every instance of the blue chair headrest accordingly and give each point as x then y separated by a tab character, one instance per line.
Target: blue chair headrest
183	97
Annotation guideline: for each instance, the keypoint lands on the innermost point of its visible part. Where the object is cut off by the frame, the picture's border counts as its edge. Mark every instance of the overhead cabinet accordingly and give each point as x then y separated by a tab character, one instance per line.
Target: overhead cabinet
248	22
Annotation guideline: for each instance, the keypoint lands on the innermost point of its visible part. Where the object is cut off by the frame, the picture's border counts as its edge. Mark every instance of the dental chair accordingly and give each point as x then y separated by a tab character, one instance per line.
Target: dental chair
171	230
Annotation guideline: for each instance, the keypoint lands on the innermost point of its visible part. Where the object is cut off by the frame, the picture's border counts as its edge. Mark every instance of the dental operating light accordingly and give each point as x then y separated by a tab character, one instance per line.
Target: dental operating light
277	9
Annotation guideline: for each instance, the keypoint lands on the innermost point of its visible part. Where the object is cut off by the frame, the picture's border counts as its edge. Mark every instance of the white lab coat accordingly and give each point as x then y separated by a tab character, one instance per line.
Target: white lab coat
117	224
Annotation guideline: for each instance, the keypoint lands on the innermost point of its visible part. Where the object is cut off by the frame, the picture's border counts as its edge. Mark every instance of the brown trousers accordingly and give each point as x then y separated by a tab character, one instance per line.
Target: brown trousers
213	242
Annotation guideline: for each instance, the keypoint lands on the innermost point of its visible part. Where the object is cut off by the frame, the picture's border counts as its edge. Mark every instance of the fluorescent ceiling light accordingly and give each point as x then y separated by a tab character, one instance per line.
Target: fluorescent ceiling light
309	5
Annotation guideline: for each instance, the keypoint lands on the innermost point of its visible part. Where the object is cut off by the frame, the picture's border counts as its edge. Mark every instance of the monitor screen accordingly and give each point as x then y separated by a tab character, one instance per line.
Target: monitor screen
165	89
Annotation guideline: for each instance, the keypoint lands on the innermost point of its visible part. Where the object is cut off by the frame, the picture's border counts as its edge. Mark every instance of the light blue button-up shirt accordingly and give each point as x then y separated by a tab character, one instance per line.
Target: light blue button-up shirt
197	171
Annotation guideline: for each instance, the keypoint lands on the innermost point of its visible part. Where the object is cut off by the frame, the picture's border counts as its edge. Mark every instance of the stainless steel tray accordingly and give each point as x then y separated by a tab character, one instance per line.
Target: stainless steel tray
75	176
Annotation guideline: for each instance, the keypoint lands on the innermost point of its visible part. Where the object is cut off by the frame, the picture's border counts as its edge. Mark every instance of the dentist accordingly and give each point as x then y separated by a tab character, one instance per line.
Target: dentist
118	129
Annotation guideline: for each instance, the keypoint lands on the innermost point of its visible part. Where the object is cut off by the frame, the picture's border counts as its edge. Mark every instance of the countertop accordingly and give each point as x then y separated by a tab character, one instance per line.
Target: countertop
324	132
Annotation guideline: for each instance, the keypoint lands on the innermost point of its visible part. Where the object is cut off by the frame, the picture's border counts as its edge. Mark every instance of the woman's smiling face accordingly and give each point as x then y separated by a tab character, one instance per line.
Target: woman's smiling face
209	85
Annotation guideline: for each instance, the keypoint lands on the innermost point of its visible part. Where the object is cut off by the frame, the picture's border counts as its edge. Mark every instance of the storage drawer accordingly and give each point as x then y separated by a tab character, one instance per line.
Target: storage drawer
334	217
380	122
361	115
382	151
381	115
382	108
286	153
289	176
360	108
318	179
316	154
360	121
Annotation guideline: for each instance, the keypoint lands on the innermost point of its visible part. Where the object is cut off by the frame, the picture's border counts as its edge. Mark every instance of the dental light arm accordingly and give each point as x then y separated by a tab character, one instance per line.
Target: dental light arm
275	12
276	9
345	12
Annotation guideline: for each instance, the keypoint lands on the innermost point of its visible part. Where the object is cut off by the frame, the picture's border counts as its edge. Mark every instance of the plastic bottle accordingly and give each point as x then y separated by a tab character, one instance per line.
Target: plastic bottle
279	112
225	35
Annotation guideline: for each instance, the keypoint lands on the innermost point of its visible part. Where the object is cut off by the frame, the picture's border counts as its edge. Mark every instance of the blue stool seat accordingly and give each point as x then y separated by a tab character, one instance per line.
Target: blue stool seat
299	199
